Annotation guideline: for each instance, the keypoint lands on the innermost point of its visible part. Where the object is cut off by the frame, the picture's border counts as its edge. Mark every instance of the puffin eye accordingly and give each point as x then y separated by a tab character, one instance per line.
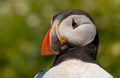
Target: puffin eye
74	24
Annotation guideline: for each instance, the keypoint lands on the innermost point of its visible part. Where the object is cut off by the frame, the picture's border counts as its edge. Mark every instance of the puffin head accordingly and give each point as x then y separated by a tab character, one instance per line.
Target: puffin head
69	29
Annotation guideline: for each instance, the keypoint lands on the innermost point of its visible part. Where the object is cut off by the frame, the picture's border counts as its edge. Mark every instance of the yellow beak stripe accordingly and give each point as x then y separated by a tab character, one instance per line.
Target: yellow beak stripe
62	40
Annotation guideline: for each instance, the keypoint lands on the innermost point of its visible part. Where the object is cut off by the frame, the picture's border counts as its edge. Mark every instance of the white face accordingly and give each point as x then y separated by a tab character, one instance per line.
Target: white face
81	35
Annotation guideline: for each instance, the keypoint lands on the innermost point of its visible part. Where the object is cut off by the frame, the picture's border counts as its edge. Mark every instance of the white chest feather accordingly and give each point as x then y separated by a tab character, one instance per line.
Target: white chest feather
77	69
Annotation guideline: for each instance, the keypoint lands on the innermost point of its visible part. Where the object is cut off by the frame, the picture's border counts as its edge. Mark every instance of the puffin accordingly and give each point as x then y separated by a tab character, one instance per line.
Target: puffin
73	37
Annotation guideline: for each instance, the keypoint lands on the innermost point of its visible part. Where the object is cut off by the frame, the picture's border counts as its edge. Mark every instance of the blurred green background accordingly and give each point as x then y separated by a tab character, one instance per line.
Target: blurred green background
23	24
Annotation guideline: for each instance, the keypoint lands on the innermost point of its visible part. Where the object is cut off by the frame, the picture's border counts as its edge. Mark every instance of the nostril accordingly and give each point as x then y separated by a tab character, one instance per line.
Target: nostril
74	24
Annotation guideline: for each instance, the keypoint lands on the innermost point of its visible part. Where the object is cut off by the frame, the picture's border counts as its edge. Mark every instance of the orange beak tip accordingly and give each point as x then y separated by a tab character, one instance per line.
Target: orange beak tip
46	45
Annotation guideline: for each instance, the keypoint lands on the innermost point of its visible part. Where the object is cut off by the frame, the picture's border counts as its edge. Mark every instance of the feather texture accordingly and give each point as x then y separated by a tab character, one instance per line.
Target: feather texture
77	69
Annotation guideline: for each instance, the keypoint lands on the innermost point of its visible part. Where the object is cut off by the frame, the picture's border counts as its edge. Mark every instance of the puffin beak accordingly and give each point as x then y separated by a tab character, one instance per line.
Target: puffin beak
53	42
46	45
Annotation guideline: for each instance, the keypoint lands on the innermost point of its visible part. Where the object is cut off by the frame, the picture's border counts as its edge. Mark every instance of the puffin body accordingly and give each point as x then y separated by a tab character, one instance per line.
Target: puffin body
73	37
77	69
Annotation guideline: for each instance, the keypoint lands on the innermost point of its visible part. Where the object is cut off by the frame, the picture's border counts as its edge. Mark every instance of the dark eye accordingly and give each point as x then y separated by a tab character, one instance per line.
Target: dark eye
74	24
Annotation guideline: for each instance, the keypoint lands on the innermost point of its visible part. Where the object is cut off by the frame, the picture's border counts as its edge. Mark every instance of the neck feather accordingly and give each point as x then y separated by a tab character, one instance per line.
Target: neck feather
85	53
